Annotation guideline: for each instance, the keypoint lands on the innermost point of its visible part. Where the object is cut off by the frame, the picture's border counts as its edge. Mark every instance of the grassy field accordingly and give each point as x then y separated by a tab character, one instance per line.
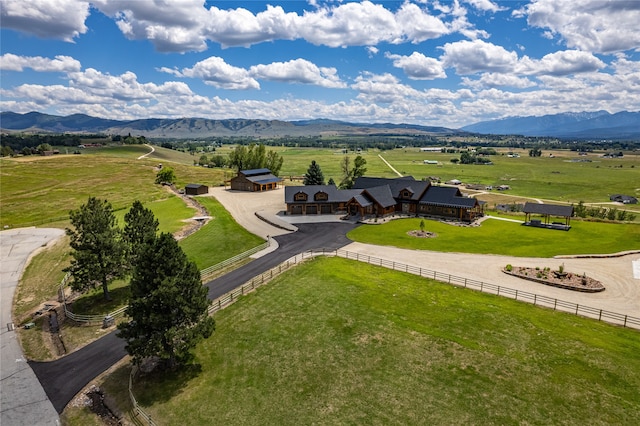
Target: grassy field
339	342
220	239
558	178
39	190
501	237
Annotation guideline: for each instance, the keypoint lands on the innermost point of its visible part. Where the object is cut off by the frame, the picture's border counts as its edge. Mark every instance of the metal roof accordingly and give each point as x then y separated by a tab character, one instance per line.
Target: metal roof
548	209
447	196
254	172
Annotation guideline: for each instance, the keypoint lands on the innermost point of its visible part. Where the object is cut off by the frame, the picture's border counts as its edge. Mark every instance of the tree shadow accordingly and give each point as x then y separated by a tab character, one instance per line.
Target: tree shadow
161	385
94	303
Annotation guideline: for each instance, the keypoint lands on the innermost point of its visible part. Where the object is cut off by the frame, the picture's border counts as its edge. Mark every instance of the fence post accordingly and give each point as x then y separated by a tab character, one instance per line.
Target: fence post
577	307
600	315
481	284
465	283
625	321
498	294
534	299
555	303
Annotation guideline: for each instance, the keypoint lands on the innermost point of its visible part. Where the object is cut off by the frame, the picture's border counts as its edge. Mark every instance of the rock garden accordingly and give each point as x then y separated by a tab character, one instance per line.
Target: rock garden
556	278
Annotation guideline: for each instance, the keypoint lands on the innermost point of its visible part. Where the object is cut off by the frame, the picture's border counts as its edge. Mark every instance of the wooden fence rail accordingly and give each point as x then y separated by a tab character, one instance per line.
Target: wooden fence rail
97	319
536	299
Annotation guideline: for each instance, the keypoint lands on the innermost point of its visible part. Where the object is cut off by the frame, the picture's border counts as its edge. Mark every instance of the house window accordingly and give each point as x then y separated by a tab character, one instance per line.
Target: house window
300	196
321	196
406	194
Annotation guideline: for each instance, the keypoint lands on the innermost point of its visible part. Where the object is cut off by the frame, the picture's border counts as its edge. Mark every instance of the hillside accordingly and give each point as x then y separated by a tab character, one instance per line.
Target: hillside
184	128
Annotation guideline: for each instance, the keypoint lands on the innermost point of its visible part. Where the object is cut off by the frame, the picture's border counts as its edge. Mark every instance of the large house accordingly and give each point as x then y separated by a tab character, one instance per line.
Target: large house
255	180
380	197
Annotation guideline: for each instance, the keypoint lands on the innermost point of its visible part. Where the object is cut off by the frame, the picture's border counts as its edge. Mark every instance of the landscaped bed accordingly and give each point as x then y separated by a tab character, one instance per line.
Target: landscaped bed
559	278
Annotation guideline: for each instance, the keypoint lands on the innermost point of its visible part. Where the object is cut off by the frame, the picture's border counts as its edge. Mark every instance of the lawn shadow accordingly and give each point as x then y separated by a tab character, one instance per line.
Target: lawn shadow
94	303
161	385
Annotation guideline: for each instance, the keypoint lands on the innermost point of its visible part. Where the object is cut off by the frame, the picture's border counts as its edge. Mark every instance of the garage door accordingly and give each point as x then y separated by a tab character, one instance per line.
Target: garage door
325	208
312	209
296	209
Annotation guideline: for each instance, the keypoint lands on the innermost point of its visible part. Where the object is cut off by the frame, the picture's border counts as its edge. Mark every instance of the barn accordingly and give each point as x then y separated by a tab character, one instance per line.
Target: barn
196	189
255	180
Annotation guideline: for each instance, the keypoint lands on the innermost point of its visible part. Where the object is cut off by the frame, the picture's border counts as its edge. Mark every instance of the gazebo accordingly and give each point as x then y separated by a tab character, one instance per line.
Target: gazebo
547	211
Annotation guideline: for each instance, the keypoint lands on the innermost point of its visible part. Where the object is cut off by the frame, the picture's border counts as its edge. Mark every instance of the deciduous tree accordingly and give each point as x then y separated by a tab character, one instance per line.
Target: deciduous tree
96	240
166	176
168	306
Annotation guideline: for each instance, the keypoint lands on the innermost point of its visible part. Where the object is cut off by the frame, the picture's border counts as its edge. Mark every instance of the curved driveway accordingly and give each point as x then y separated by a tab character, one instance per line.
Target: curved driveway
63	378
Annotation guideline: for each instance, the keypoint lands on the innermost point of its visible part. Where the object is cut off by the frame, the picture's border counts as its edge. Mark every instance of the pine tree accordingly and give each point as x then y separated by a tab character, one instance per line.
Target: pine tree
140	228
97	246
168	306
314	175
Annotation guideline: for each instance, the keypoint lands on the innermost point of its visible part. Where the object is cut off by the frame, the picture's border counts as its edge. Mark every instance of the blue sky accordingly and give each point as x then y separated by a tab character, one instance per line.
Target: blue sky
446	63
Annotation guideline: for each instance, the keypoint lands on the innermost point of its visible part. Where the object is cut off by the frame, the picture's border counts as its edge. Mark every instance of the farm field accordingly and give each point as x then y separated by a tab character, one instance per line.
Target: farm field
342	342
504	237
41	190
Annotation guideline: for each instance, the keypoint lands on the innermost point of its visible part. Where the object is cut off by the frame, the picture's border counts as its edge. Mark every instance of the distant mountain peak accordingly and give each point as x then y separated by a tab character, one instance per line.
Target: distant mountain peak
578	125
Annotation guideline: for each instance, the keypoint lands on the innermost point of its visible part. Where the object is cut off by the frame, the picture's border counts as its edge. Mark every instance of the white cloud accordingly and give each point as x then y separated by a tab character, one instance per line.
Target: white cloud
562	63
372	51
418	66
60	63
298	71
187	24
591	25
485	5
491	80
172	26
216	72
469	57
418	25
59	19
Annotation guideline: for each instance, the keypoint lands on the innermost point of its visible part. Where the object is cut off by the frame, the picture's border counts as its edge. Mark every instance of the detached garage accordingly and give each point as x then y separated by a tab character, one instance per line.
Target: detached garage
196	189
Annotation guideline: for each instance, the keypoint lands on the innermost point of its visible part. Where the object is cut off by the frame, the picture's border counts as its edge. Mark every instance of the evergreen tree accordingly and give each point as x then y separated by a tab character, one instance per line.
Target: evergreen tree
97	246
314	175
331	182
140	229
168	305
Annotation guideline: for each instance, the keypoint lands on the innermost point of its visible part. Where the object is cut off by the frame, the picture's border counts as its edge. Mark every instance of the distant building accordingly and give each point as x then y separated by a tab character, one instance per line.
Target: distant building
255	180
380	197
624	199
196	189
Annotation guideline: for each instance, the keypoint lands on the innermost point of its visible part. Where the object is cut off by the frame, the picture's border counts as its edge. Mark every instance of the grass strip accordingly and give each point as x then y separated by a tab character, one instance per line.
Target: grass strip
505	238
340	342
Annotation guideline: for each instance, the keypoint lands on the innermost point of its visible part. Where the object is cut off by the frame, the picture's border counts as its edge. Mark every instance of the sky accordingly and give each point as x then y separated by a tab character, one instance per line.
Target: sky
430	62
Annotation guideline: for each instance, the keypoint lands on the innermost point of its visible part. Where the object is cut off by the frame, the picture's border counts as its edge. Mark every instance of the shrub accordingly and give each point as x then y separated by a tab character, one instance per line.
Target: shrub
508	268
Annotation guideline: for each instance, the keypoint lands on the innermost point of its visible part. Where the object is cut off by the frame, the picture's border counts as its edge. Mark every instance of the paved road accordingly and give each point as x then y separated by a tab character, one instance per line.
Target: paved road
22	399
64	378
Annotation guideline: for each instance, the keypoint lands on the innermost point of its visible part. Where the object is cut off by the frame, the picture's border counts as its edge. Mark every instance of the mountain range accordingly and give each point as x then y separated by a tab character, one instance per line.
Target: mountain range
583	125
184	128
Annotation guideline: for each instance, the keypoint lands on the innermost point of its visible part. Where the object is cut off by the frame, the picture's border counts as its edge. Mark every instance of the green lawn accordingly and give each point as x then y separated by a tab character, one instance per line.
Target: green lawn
220	239
502	237
339	342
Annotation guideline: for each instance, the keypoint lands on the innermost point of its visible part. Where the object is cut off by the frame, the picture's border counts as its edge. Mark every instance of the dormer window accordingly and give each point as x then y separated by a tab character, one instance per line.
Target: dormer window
300	196
321	196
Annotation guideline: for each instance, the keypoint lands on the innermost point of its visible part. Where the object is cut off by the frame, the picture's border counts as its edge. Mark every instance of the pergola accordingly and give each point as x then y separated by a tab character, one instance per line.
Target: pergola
547	211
